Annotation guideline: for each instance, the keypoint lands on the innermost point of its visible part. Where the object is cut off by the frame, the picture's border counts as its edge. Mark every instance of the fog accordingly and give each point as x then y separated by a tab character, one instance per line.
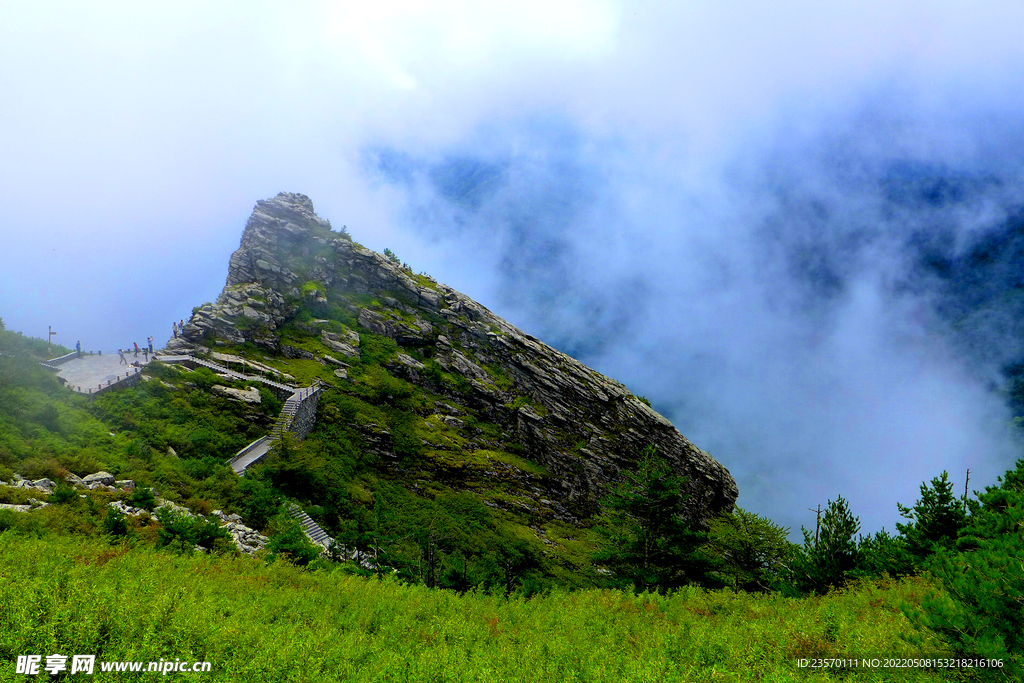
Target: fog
731	209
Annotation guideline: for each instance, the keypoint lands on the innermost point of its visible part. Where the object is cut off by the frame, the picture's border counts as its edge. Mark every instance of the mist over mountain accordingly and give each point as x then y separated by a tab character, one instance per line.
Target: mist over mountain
789	226
837	314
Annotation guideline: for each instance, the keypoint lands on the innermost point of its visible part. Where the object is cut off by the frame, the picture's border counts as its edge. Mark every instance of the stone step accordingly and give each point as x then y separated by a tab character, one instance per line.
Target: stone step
309	527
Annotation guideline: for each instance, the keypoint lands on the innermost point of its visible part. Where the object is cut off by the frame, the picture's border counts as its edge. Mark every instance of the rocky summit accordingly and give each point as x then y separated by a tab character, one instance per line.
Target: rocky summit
299	292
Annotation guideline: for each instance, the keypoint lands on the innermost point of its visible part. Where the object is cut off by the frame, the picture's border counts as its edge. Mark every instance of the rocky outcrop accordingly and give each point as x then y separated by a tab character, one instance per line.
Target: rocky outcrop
580	425
251	395
246	539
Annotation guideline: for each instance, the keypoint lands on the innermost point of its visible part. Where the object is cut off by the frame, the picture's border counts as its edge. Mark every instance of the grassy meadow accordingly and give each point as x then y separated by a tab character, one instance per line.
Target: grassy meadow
277	622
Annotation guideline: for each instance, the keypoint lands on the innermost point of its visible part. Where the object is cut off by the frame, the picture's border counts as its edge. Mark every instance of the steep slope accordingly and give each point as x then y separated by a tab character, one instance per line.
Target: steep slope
471	388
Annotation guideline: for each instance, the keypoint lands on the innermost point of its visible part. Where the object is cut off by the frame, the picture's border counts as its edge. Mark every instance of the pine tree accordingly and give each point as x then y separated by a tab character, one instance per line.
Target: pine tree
651	545
750	550
979	611
935	520
825	562
884	553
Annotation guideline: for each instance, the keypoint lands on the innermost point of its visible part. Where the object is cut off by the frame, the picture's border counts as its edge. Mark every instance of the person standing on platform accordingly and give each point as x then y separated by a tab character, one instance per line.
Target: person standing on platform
175	330
136	345
150	340
123	360
78	348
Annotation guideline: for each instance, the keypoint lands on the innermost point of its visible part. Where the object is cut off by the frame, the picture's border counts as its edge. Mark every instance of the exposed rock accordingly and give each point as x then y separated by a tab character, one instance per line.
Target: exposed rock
334	343
251	395
409	361
126	484
341	374
289	351
103	478
44	484
247	540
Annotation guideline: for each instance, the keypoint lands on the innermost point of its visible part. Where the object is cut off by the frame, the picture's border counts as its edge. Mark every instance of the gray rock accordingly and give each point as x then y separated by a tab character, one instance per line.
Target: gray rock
453	422
126	484
341	374
44	484
103	478
251	395
289	351
334	343
409	361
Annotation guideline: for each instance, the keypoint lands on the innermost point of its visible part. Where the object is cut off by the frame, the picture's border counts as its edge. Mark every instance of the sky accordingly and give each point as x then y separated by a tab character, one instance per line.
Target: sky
706	201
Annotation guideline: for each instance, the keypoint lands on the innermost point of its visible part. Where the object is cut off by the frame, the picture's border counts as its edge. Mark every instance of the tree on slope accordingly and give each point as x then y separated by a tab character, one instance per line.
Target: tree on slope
650	543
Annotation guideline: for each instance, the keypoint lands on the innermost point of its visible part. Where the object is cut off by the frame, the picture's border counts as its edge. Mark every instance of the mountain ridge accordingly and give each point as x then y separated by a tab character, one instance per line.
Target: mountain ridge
294	279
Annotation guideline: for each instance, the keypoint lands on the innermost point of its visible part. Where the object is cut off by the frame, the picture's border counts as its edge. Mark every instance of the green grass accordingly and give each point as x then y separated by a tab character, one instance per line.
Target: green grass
277	623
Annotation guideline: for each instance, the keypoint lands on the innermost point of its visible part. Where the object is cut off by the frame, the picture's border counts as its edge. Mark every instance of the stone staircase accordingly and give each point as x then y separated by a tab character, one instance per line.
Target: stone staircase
312	530
284	421
230	374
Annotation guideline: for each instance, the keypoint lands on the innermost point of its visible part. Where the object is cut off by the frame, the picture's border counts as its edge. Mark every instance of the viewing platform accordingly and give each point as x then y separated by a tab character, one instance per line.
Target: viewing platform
92	373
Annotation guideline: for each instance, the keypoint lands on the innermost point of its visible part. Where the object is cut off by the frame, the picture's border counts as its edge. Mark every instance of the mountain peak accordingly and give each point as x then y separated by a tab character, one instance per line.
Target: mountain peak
297	290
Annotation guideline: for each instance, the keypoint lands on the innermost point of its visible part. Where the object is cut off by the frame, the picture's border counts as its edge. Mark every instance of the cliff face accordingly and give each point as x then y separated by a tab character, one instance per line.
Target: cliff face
295	289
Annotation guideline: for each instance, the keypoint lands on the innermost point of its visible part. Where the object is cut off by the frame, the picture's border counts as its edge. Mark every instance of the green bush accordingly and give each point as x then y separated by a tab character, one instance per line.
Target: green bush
287	541
63	494
144	498
8	520
115	523
884	553
260	501
182	532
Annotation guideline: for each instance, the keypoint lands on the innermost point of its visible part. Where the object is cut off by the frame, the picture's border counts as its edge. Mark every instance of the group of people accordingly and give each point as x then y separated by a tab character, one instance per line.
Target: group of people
146	350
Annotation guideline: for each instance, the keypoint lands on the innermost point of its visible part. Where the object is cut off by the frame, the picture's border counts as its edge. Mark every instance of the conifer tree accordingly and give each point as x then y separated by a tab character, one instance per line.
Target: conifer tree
825	562
935	520
979	611
651	545
750	550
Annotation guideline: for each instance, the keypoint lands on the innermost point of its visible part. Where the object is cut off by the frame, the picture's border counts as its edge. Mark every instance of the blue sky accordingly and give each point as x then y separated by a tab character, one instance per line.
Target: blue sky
684	195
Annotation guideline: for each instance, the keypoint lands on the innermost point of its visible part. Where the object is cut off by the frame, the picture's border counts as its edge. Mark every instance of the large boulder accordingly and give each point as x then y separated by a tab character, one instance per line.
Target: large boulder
250	395
103	478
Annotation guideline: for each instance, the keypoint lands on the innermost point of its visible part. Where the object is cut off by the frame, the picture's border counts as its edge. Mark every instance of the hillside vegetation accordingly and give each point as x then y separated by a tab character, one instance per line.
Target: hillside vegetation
500	511
279	623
